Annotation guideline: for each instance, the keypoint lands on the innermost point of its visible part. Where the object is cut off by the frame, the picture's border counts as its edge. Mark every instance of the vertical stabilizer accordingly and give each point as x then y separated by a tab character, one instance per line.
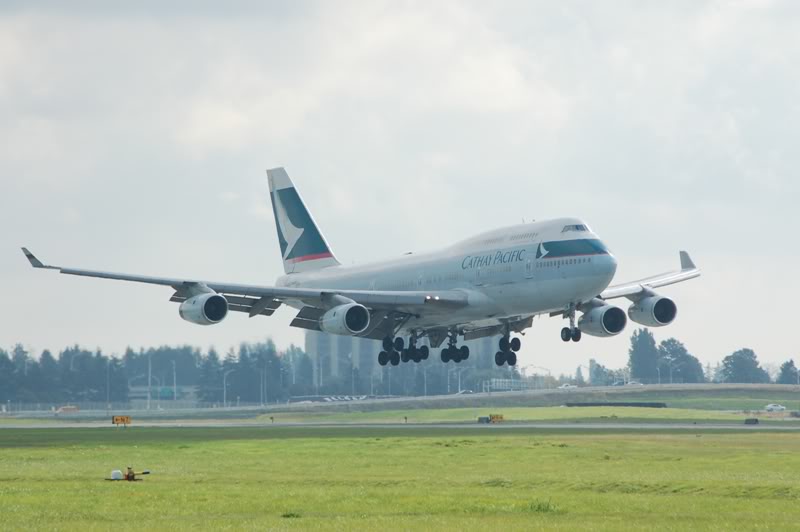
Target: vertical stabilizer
303	248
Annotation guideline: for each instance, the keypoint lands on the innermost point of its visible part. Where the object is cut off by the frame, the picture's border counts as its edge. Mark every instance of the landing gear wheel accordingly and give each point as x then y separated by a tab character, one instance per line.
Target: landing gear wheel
383	358
387	344
515	344
399	344
394	358
499	358
404	356
455	355
566	334
424	352
446	355
511	358
504	343
464	352
576	335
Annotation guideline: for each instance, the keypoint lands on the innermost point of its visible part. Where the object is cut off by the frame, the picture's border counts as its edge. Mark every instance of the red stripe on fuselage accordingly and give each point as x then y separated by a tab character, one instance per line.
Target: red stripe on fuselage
326	255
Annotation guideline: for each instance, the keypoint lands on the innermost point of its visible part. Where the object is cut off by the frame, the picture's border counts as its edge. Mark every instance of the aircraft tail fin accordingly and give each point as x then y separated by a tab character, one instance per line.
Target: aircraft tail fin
303	248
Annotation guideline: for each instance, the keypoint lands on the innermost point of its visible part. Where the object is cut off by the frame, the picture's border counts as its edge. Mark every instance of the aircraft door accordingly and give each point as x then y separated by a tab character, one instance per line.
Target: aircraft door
529	269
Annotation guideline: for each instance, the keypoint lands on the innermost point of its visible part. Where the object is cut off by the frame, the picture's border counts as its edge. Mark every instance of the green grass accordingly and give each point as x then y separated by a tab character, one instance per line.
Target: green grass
541	414
398	479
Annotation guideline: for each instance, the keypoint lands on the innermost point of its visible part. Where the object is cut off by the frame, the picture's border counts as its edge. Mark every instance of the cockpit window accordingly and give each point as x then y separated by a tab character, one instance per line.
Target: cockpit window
575	227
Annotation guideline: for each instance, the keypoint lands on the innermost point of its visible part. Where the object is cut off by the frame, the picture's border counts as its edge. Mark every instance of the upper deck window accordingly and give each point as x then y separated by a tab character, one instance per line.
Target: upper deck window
575	227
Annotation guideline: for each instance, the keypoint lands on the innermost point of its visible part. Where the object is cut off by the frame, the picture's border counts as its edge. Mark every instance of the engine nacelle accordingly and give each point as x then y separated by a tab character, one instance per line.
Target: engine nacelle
653	311
349	320
603	321
205	309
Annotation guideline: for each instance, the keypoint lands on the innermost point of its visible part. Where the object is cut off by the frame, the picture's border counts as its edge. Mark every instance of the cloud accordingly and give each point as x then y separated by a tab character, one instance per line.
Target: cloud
135	137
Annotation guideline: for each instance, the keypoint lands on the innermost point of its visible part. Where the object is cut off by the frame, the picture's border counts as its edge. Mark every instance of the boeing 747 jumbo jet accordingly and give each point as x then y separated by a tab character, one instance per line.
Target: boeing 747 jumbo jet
492	284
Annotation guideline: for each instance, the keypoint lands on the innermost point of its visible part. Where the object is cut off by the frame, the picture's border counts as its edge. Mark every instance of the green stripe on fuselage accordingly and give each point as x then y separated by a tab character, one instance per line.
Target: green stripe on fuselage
571	248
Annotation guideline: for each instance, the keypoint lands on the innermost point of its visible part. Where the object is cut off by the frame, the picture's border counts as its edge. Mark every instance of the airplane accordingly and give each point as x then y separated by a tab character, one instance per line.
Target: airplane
492	284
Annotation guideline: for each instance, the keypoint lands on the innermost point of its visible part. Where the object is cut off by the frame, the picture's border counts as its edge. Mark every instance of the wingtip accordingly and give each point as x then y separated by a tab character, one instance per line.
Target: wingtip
36	263
686	261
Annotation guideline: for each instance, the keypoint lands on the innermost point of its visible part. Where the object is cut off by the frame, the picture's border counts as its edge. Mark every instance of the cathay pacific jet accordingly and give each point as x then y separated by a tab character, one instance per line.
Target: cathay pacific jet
492	284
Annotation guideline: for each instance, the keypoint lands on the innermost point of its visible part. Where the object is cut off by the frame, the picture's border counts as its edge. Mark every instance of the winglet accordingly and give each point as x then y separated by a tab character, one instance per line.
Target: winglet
36	263
686	262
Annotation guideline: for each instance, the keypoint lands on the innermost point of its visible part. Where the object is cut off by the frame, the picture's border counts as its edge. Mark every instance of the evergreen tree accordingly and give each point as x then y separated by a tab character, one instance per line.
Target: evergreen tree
210	386
788	373
742	366
680	366
7	378
643	356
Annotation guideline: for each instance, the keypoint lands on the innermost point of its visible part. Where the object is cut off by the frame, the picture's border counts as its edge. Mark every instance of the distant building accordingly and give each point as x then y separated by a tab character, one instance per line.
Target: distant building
335	356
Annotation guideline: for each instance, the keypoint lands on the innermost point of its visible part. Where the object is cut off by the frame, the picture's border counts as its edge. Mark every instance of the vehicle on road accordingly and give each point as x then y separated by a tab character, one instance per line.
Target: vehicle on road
566	386
773	407
492	284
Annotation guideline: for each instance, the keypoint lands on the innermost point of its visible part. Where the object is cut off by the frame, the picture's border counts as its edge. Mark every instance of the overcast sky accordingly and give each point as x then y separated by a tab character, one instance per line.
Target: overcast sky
135	138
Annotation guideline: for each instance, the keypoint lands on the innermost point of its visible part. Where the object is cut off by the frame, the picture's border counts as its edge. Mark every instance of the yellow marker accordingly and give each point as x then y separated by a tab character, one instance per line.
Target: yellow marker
121	420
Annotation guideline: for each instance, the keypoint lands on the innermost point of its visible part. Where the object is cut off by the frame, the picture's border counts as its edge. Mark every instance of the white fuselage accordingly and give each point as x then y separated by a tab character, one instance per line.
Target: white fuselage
508	273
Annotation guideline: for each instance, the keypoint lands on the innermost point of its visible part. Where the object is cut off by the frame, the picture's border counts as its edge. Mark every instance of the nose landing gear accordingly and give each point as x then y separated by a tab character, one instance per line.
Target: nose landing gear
572	332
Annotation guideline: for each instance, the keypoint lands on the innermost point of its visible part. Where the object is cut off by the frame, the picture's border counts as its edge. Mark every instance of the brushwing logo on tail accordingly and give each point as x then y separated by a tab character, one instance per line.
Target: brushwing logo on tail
289	233
299	237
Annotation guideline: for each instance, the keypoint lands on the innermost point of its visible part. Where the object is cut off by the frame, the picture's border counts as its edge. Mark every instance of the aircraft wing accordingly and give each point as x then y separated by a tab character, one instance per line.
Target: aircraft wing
635	288
256	300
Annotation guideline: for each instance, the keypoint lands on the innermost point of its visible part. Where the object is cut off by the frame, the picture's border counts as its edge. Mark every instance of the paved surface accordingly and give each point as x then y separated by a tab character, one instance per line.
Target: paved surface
794	427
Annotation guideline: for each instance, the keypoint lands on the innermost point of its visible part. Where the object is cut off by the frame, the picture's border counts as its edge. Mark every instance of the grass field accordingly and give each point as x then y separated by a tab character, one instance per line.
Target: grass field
398	479
544	414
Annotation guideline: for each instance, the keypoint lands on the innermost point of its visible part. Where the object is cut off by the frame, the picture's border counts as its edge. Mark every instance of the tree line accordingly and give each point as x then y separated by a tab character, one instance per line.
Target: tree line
671	362
260	373
255	373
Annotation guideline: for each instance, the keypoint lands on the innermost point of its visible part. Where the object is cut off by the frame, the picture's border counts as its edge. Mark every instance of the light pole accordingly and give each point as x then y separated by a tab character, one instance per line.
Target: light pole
261	386
149	377
225	387
158	404
108	382
174	383
658	371
425	380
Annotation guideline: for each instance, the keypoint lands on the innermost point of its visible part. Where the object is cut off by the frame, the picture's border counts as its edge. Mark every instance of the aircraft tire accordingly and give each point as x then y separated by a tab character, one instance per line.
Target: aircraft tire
383	358
516	344
399	344
464	352
576	335
511	358
504	343
424	352
445	355
404	356
566	334
499	358
394	358
388	345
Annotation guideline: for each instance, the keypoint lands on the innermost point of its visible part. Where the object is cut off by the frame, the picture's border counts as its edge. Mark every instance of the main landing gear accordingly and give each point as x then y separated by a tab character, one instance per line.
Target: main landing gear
394	351
572	332
508	351
453	352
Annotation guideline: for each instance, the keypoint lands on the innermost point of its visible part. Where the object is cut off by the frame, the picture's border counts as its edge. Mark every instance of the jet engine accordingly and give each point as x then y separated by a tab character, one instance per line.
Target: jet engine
350	319
603	321
205	309
653	311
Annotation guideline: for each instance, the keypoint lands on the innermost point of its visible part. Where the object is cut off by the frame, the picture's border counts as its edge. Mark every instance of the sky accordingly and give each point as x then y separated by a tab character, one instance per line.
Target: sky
135	137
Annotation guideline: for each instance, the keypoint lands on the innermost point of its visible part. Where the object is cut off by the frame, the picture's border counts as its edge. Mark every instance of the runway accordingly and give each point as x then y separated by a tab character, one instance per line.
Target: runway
532	426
